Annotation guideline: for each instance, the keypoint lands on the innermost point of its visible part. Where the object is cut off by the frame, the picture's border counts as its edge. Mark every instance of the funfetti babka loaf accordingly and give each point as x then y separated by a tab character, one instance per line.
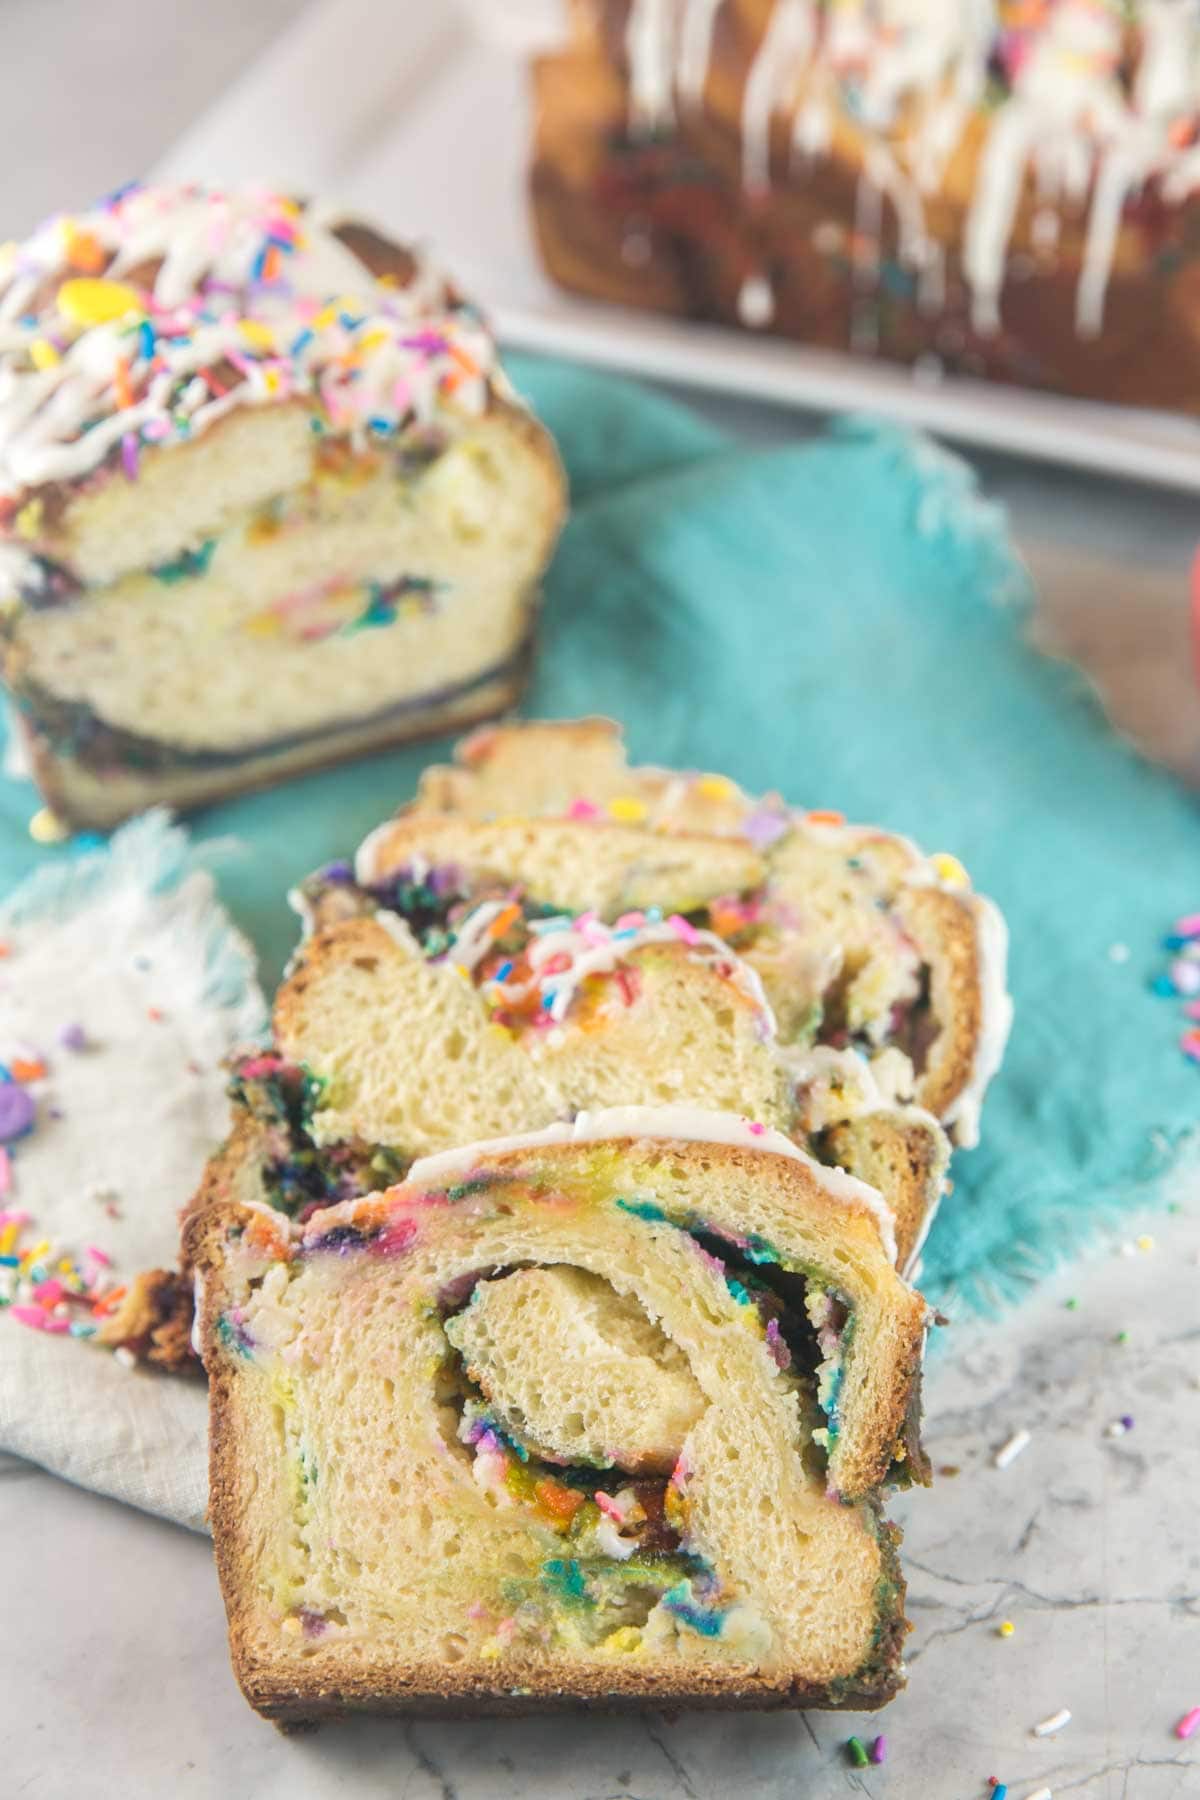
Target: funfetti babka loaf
266	499
861	941
967	185
594	1416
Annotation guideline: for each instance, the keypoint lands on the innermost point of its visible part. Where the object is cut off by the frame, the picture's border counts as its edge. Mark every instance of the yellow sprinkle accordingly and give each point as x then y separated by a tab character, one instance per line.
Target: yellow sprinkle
462	969
625	1638
29	520
43	355
264	625
500	1031
256	334
950	870
627	809
325	317
270	380
715	787
88	300
372	341
8	1238
46	827
1006	1628
292	1625
1145	1242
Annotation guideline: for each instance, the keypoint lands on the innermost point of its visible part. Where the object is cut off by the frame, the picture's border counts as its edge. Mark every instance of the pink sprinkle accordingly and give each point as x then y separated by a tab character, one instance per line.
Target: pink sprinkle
1192	1009
5	1170
14	1218
1190	1720
755	1128
129	456
608	1506
99	1256
50	1323
683	928
1188	926
879	1750
49	1293
630	921
583	809
33	1316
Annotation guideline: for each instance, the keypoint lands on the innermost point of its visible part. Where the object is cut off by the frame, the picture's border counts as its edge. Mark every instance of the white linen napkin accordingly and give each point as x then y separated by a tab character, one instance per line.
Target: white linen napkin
123	975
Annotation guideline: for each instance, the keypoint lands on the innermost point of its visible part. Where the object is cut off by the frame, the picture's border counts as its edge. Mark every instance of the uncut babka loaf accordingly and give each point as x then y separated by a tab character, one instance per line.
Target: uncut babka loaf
266	498
969	185
861	941
595	1415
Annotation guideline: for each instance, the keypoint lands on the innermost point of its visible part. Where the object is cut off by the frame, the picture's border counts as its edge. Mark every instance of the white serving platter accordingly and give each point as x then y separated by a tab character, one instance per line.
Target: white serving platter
417	112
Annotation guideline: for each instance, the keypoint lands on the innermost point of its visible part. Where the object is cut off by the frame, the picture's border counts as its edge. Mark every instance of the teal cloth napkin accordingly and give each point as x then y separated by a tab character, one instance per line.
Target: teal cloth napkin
843	620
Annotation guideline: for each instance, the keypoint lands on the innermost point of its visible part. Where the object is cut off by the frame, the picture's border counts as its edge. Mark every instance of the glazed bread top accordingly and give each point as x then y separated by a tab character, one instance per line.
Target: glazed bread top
944	105
128	331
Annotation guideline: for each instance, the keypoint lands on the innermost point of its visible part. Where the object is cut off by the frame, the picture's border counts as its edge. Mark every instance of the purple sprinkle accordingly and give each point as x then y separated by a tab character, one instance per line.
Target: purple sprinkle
765	827
1127	1421
17	1111
879	1750
337	871
73	1037
129	456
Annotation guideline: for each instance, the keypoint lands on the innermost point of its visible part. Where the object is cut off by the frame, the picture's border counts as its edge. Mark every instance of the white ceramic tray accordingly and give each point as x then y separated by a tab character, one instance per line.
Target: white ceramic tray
417	112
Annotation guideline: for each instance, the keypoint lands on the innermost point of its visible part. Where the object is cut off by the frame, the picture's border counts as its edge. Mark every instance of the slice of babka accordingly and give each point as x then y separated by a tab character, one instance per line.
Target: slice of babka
598	1413
266	498
861	940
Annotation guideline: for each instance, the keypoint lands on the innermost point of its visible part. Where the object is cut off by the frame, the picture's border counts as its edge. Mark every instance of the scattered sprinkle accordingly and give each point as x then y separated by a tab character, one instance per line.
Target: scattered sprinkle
1054	1723
46	827
1145	1243
73	1037
1120	1426
879	1750
1122	1337
1005	1629
857	1752
1188	1724
18	1111
999	1788
1071	1304
1008	1453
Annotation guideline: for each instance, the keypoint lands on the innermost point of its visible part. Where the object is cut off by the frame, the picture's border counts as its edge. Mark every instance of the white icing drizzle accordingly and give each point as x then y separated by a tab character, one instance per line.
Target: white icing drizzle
687	1124
910	74
594	948
370	355
695	50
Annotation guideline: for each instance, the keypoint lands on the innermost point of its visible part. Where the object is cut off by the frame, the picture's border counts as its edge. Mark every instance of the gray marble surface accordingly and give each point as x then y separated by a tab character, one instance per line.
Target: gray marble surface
117	1683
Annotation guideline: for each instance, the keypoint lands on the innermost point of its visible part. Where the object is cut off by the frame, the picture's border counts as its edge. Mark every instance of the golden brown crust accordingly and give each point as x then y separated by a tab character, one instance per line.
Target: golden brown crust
903	1156
945	928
